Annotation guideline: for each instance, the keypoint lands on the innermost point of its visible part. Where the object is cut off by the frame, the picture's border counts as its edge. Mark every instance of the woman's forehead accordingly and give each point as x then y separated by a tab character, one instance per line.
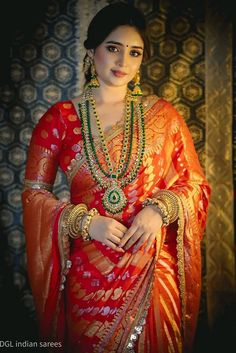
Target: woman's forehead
125	35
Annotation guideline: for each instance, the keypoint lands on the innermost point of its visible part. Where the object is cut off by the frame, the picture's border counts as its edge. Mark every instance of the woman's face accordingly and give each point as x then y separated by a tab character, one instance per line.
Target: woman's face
118	58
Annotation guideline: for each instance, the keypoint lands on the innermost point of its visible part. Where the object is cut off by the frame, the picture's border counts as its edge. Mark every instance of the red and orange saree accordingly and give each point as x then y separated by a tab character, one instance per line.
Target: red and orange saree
87	296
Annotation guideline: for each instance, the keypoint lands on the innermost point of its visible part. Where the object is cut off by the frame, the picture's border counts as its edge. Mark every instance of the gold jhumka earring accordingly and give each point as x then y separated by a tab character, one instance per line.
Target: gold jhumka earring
89	66
94	80
136	91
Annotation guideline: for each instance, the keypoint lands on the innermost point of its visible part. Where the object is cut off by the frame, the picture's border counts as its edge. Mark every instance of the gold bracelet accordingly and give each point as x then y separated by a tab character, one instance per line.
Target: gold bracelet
64	218
75	209
74	218
170	199
85	228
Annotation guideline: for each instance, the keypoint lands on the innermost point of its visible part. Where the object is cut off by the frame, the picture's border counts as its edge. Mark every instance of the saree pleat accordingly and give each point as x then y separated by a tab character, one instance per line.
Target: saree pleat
105	301
92	296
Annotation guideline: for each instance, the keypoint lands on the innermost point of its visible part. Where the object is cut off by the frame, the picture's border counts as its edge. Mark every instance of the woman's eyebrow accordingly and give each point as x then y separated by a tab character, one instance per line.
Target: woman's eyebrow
118	43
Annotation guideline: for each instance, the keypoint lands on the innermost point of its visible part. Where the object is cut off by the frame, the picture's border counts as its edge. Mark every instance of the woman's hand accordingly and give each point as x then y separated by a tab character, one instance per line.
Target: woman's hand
108	231
145	227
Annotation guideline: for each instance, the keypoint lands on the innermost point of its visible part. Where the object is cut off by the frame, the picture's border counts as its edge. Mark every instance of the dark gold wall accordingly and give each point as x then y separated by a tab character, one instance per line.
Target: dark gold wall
220	234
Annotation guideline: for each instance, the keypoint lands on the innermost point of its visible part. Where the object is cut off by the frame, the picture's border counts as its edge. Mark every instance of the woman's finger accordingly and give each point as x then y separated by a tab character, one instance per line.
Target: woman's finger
149	242
133	239
113	246
120	227
114	239
130	232
145	237
118	233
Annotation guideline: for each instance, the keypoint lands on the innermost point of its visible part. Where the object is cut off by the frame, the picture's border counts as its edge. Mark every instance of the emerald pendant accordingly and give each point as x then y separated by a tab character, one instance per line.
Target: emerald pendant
114	199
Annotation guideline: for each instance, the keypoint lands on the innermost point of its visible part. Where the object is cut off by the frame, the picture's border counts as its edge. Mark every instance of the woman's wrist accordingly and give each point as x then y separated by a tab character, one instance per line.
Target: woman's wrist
156	211
166	203
76	220
87	219
161	209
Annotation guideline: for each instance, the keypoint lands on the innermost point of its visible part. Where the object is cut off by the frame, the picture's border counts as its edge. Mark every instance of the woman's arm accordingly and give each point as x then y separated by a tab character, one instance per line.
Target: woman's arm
41	208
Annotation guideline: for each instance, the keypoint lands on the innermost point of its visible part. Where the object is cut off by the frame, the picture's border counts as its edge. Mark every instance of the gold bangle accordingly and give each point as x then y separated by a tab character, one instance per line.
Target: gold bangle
75	209
171	200
74	218
64	218
85	228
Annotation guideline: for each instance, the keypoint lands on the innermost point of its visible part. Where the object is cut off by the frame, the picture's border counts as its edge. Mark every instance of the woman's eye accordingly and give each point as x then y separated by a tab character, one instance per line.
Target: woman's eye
135	53
112	49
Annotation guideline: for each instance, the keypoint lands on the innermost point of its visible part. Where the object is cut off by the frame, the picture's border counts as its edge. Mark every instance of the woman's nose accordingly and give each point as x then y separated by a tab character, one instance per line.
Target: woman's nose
123	59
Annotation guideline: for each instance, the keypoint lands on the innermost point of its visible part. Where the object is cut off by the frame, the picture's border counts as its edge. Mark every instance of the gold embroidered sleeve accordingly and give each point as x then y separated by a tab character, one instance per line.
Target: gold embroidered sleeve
41	168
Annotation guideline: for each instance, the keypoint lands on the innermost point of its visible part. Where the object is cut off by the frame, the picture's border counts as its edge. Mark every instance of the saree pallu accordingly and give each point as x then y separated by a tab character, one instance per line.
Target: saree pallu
87	296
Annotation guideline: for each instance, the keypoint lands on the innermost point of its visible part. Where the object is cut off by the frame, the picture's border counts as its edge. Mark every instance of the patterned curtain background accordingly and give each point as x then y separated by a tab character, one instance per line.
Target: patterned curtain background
42	63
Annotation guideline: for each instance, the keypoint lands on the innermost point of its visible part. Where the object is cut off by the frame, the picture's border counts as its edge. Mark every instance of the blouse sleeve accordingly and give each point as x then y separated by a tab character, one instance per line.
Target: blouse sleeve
44	150
42	210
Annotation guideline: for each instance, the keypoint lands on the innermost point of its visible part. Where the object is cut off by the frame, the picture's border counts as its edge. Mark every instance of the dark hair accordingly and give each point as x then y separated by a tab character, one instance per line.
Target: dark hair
109	18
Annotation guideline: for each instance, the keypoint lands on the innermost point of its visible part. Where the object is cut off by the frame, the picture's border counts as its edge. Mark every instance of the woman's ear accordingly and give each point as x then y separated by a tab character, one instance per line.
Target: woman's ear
90	53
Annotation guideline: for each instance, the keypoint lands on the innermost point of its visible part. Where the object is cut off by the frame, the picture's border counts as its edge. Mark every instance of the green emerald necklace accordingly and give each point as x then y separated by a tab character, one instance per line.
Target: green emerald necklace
113	181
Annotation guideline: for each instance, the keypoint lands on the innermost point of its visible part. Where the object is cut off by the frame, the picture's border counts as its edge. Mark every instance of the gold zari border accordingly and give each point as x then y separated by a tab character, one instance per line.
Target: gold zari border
33	184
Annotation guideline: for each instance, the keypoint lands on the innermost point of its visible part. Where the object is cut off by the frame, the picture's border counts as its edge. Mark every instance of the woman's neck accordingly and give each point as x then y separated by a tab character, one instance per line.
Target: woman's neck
108	94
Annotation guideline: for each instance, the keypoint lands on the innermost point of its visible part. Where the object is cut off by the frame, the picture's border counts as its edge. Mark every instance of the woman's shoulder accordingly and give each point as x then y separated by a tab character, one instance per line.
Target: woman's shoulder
149	101
64	110
160	105
56	115
156	108
63	105
155	103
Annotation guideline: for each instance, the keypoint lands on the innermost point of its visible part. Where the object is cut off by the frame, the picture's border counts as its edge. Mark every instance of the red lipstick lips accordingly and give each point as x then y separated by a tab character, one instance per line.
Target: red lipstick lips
118	73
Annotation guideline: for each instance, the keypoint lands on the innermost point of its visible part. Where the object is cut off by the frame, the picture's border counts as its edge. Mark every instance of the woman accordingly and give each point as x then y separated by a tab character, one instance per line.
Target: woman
117	268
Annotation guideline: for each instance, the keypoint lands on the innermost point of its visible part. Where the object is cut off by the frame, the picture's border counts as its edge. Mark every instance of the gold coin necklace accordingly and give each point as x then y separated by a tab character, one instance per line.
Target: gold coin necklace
113	181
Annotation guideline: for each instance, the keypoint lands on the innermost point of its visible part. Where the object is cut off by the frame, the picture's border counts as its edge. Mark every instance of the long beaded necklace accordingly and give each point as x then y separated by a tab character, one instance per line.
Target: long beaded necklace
114	199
